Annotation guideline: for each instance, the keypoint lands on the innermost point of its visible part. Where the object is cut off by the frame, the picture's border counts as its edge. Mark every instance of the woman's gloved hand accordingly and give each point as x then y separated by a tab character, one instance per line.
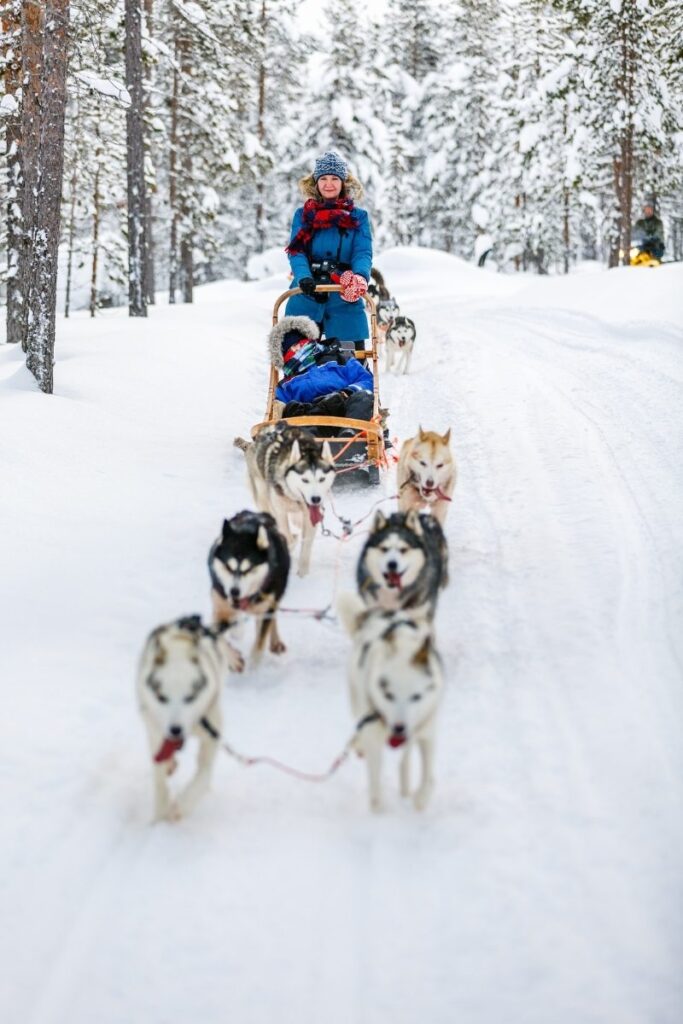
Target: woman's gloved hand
353	286
307	285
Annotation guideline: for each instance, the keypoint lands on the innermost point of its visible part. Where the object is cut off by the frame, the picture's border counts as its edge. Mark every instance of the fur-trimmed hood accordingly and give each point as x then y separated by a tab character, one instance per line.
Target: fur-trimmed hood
303	324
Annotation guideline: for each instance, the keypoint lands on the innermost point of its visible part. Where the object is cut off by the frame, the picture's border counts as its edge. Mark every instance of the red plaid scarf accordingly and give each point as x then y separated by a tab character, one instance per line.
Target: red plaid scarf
333	213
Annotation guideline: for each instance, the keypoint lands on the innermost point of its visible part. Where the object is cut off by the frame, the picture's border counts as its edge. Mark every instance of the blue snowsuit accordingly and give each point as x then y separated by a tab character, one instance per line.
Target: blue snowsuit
323	380
337	319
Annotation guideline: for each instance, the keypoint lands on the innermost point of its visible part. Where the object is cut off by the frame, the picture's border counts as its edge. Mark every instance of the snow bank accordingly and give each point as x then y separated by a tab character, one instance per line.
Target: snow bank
622	295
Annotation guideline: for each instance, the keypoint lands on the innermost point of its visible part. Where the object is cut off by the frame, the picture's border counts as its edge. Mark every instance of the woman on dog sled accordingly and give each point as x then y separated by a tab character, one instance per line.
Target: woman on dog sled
330	244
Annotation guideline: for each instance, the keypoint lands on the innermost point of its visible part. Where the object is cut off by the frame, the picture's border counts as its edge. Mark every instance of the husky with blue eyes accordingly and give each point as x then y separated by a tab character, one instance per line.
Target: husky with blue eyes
396	682
179	684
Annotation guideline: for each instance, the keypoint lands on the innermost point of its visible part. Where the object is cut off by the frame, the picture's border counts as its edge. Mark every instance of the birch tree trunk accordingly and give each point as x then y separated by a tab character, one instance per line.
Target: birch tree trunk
135	150
11	28
40	297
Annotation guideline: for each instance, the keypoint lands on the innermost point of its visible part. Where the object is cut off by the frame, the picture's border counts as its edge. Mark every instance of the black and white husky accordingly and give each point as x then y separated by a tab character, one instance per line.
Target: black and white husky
400	341
249	569
387	310
290	475
404	562
395	682
178	687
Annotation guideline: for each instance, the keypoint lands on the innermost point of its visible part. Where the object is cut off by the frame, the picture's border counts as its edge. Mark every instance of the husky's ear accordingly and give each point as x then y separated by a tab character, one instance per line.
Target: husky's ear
421	433
350	610
296	450
413	522
159	654
327	452
227	528
262	538
447	436
380	521
421	657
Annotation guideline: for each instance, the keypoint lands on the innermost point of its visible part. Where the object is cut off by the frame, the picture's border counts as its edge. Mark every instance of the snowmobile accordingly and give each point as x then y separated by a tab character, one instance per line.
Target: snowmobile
643	258
358	446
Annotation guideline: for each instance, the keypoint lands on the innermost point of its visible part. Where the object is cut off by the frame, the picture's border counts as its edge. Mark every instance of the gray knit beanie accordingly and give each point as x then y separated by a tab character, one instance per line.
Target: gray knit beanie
330	163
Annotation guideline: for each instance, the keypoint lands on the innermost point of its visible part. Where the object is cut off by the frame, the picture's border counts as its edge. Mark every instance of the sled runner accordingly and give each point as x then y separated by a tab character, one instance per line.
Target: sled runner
359	451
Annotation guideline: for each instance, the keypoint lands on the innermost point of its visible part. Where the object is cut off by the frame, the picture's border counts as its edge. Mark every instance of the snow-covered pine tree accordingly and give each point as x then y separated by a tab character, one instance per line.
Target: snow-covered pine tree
410	43
339	111
632	114
95	175
279	90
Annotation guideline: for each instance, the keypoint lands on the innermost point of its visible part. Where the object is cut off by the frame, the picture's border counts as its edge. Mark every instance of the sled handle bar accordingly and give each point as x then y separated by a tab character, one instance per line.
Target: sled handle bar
369	301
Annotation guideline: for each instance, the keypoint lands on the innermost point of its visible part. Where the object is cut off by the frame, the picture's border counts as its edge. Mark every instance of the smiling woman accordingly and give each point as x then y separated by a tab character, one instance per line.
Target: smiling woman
331	243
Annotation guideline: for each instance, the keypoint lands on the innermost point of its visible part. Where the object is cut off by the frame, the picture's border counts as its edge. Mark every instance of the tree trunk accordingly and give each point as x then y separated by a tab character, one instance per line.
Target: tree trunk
73	185
150	274
11	28
173	190
135	152
32	21
44	241
186	204
261	133
97	198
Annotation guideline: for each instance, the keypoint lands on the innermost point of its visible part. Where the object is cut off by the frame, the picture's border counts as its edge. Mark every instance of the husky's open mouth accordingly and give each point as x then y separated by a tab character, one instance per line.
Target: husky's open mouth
315	513
397	739
394	579
241	603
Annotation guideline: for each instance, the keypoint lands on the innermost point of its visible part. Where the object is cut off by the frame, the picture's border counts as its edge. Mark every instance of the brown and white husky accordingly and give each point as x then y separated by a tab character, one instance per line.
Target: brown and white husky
426	473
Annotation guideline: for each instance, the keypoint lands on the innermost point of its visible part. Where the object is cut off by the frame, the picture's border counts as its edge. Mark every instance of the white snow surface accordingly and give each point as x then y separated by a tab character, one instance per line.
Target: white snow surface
543	883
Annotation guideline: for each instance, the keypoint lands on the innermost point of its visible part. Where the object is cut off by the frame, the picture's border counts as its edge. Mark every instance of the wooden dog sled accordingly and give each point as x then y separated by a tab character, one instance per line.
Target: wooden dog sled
361	454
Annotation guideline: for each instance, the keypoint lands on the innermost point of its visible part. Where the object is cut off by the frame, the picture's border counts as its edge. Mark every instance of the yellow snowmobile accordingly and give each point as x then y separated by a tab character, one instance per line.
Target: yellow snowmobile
643	258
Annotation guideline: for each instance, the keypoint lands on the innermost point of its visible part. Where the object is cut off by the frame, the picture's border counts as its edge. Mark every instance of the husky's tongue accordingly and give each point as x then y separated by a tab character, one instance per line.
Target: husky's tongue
393	579
316	514
167	749
396	740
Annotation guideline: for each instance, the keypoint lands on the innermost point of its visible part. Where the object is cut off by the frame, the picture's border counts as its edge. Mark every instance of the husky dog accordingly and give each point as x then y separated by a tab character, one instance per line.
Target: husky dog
178	686
395	680
387	310
377	289
290	474
426	473
404	562
400	340
249	568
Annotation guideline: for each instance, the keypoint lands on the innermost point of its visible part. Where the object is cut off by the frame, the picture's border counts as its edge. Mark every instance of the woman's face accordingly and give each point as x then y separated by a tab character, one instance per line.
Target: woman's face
329	186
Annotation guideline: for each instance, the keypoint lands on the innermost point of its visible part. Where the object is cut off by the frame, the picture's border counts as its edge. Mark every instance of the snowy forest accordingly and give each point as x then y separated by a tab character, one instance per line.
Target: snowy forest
158	143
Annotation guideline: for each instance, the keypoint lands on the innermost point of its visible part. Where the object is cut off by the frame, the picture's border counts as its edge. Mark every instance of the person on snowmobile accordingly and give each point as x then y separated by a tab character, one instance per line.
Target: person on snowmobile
648	231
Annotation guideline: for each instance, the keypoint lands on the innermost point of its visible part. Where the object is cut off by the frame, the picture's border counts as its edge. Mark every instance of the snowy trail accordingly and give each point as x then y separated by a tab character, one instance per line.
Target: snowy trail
543	883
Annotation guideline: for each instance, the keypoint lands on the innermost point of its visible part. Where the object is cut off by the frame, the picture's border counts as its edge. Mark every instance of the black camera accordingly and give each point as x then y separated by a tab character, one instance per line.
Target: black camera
322	271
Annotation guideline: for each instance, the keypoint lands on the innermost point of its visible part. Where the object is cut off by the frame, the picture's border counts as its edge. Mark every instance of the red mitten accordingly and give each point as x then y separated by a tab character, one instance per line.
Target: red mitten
353	286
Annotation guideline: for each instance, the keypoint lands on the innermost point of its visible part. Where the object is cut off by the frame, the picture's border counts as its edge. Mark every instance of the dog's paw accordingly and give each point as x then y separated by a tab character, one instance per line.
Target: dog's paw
376	805
174	812
236	662
421	798
278	647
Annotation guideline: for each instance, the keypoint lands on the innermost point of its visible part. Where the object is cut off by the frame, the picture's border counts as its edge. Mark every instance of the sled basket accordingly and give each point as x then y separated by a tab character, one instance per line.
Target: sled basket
362	450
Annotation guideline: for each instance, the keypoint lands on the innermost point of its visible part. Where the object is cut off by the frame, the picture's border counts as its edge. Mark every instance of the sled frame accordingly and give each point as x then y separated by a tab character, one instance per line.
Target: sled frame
369	432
